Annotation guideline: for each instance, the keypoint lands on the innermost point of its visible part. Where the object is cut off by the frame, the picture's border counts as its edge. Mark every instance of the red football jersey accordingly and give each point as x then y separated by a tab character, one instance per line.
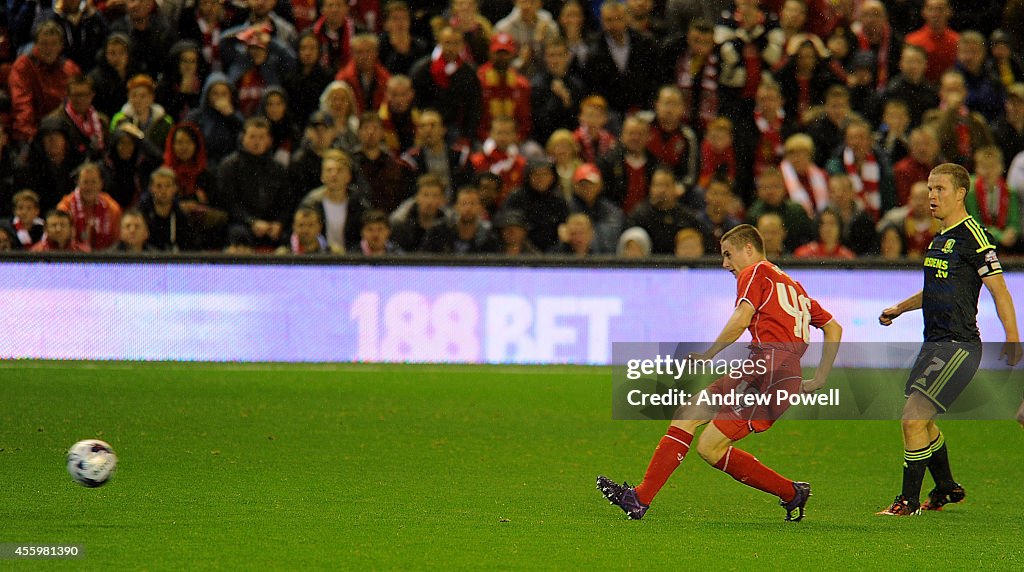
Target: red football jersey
783	310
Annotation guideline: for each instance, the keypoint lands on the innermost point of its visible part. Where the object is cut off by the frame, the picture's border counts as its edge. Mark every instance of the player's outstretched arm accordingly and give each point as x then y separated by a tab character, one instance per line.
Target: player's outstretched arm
892	312
733	329
833	333
996	285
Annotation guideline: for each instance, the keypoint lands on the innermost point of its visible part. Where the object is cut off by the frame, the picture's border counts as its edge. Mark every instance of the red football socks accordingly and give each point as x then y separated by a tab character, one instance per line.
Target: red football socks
746	469
667	456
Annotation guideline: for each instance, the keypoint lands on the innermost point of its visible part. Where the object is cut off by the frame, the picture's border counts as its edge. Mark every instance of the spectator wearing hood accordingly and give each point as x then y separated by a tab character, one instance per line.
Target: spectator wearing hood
50	163
540	202
260	61
182	81
128	161
275	107
218	118
195	184
110	75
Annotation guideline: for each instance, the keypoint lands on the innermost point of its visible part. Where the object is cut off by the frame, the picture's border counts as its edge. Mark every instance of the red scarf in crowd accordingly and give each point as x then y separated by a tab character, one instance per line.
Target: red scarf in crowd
963	133
442	70
882	52
89	222
998	218
865	181
89	124
710	160
24	235
687	79
770	147
187	172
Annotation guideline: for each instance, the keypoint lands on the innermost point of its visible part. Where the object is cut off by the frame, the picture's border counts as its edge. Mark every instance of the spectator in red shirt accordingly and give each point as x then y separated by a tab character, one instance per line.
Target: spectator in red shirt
829	243
364	72
935	37
95	215
672	142
915	167
38	81
504	91
500	155
59	236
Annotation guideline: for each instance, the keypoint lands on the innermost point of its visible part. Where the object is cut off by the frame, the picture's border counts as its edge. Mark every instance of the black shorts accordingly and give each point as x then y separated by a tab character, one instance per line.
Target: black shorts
943	370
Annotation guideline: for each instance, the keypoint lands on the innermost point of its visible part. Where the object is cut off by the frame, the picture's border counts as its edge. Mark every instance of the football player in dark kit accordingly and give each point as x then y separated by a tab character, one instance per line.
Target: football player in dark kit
959	260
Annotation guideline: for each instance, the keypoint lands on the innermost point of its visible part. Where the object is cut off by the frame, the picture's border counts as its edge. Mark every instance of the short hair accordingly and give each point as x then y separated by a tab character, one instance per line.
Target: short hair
48	28
90	166
59	214
972	37
467	190
701	25
338	156
506	119
307	210
392	6
429	180
582	217
374	216
671	89
561	136
399	79
25	195
957	173
368	38
837	90
142	80
165	172
744	234
81	79
988	152
722	123
720	179
769	172
799	142
256	121
595	101
916	48
136	213
369	117
556	42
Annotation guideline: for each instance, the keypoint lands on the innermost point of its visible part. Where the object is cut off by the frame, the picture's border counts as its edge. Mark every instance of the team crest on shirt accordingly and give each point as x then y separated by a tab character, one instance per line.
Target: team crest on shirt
948	247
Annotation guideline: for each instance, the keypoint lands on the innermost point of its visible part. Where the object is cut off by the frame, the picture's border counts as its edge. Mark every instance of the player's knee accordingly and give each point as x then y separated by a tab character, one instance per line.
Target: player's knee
915	426
710	449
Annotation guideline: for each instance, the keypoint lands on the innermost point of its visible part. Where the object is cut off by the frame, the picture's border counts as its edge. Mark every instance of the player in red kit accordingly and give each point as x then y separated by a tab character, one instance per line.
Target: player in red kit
778	313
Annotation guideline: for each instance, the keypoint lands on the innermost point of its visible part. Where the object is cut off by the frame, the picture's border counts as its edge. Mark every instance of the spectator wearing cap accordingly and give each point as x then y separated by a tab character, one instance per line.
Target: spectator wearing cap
911	85
514	234
111	73
660	214
142	116
366	75
1008	130
445	81
504	91
38	81
606	218
150	34
531	27
1004	63
937	39
261	17
264	61
540	201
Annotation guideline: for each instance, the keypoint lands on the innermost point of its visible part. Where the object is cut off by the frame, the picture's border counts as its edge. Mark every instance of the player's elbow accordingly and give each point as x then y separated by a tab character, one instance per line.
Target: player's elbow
833	331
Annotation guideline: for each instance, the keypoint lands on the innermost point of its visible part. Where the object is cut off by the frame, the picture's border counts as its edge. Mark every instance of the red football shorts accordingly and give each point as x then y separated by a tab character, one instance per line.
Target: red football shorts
783	373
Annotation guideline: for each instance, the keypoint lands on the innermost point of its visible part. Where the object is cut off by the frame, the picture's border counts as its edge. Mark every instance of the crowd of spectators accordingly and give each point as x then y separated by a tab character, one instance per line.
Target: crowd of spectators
517	127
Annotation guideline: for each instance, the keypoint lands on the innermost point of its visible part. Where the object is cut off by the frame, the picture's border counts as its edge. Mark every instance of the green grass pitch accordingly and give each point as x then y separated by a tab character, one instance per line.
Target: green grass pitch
382	467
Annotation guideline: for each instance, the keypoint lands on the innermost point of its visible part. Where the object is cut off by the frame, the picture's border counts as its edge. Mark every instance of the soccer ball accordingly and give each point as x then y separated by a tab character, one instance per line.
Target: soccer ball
91	462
